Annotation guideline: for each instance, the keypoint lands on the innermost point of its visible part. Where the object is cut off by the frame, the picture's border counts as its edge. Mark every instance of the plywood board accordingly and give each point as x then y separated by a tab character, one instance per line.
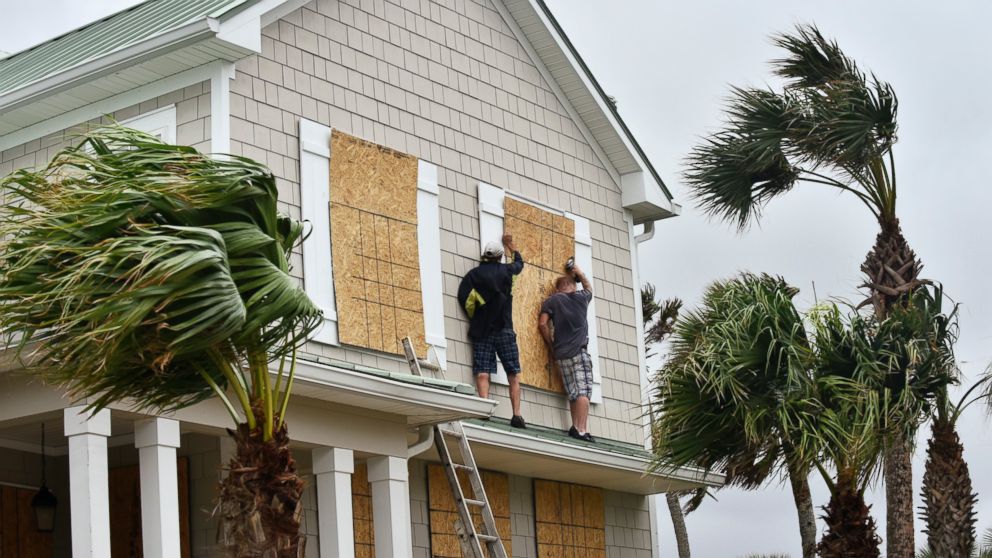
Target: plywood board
361	504
545	241
373	193
570	519
443	513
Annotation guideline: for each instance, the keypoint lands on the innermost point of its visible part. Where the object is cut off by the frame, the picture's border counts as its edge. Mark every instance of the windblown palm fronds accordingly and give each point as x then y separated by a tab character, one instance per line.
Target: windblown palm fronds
150	275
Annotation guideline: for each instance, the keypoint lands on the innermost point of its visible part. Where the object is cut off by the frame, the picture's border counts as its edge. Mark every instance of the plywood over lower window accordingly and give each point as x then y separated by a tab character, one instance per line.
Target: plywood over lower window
545	241
19	536
373	193
125	510
361	505
443	514
571	520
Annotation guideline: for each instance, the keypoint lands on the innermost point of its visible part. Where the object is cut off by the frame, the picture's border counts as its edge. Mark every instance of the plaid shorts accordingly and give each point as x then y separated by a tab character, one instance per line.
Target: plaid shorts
502	343
576	371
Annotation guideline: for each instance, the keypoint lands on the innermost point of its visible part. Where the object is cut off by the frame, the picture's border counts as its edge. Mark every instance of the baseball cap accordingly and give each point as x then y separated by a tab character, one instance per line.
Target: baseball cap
492	250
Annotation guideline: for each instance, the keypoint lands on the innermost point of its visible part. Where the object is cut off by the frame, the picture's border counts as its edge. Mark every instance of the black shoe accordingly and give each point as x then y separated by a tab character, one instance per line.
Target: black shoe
588	437
518	422
574	433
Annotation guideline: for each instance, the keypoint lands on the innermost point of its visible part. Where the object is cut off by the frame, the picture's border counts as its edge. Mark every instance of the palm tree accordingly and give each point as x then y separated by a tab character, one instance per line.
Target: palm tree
659	324
729	392
948	501
830	125
140	272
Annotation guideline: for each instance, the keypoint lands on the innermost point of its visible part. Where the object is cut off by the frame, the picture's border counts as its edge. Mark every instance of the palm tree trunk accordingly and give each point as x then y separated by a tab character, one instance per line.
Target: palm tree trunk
949	503
804	508
678	523
850	529
260	500
893	272
899	530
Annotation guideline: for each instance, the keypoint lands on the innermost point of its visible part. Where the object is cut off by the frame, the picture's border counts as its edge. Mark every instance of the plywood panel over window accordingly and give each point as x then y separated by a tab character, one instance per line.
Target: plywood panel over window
361	505
125	510
373	193
545	241
444	541
570	520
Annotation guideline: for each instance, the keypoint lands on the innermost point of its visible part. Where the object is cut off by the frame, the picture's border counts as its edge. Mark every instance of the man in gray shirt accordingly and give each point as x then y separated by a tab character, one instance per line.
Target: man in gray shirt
566	310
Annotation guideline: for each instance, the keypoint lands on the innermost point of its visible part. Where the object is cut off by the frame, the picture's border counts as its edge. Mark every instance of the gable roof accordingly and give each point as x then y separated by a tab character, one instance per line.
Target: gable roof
100	38
158	38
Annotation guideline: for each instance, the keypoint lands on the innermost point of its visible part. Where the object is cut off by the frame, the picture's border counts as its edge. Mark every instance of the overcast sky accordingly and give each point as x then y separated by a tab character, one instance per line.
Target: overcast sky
669	65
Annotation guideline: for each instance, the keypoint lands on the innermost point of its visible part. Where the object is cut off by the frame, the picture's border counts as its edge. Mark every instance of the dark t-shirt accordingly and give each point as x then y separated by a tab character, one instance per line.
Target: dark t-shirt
568	312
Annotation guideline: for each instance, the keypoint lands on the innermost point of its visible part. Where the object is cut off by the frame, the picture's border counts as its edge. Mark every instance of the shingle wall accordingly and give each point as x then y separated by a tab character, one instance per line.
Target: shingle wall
448	82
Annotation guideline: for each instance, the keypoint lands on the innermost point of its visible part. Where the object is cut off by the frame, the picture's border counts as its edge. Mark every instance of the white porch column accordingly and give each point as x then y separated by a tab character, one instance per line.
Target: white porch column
157	440
88	492
333	468
391	506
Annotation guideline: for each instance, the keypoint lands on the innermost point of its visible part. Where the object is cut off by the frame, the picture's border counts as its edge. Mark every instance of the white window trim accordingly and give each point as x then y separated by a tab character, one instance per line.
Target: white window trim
318	260
429	241
315	199
491	218
160	122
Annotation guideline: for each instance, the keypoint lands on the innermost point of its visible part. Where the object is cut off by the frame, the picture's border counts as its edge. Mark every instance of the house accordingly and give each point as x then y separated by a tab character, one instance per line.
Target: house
408	133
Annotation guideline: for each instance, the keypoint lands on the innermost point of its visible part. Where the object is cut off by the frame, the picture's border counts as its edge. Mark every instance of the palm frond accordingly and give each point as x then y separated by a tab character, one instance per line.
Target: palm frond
139	265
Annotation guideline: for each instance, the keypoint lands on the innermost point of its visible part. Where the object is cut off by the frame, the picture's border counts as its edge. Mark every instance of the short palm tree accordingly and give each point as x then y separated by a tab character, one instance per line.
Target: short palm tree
137	272
659	323
830	125
735	379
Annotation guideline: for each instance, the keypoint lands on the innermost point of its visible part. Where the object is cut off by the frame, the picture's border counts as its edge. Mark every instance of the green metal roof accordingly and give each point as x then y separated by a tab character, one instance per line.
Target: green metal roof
112	33
435	383
553	434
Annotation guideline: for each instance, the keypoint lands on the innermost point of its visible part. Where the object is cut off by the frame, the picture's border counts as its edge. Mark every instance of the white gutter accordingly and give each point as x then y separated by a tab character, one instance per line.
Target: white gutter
647	235
190	33
424	442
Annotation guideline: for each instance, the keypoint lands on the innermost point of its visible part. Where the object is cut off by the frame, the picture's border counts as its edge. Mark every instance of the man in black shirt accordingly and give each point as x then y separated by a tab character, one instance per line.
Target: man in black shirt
566	310
486	296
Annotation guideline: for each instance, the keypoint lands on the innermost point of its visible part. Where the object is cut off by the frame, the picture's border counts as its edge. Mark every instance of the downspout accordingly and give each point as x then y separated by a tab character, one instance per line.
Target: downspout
424	441
647	235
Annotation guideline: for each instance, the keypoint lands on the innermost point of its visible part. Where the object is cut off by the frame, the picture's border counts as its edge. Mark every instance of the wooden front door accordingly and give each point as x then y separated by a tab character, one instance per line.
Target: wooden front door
19	537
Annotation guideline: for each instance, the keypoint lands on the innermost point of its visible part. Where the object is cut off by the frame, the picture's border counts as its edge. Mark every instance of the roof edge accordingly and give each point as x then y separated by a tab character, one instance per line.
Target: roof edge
557	28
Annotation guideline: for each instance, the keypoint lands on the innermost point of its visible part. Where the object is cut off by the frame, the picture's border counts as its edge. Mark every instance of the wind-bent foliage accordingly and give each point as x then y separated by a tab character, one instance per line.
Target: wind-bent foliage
735	381
830	124
136	272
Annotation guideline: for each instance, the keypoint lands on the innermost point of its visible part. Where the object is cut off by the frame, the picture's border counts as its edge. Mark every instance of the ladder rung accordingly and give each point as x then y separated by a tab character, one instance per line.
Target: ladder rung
429	366
471	502
487	538
462	467
451	433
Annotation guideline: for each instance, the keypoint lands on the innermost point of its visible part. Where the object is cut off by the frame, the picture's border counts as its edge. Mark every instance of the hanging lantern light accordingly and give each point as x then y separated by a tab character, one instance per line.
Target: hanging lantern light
44	502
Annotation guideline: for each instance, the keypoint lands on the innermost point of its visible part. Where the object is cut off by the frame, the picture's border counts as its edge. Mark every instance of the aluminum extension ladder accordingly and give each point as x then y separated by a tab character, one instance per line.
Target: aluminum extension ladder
472	541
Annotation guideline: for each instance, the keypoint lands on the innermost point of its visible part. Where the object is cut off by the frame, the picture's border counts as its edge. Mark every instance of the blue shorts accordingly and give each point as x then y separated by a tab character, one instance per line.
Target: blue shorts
502	343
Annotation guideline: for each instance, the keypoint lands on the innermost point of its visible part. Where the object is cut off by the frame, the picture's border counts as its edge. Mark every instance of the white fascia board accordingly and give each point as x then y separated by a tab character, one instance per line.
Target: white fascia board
132	55
584	78
584	454
340	380
110	104
555	88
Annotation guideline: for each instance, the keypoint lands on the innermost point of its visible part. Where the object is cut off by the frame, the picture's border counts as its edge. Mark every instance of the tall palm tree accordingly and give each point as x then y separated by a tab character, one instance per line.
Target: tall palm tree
659	324
140	272
734	382
830	125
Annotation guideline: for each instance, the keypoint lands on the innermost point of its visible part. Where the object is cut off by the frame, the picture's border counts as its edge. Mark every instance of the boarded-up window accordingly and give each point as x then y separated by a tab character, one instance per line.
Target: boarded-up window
545	241
361	504
570	520
374	243
19	536
444	541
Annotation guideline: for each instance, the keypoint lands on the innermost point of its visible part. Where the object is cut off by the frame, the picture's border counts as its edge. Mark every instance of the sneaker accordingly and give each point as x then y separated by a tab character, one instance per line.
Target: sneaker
574	433
518	422
587	437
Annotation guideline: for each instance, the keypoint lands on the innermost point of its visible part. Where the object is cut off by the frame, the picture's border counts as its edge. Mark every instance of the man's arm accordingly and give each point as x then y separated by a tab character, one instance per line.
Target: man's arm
518	261
581	277
542	326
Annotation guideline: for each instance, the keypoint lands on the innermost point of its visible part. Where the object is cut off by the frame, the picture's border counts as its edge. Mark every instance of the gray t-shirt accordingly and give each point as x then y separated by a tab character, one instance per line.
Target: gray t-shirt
568	313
